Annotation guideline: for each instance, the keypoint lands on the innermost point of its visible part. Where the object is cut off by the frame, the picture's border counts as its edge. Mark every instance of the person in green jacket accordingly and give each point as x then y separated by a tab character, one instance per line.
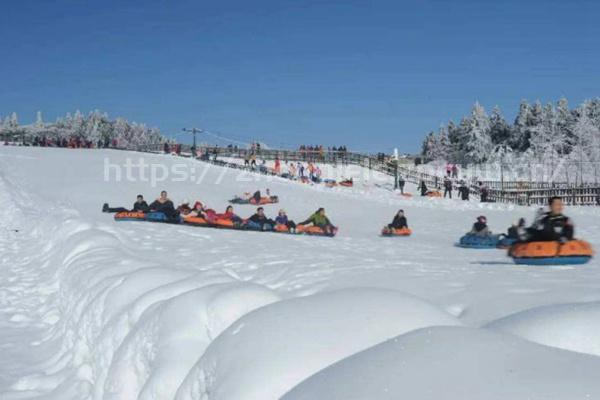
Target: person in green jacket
320	219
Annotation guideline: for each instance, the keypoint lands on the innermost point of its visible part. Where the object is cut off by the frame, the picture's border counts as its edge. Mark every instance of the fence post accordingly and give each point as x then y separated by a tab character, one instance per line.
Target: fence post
396	175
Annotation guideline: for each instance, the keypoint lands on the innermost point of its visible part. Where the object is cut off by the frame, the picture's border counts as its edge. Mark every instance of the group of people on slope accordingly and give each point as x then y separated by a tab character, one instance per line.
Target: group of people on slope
549	225
258	220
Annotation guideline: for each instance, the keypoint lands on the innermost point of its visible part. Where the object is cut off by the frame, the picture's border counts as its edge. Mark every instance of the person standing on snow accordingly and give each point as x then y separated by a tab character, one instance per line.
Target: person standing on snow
401	183
423	188
463	191
447	187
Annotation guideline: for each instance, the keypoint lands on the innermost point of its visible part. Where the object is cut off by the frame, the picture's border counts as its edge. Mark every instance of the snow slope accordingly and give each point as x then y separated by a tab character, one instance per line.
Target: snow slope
95	309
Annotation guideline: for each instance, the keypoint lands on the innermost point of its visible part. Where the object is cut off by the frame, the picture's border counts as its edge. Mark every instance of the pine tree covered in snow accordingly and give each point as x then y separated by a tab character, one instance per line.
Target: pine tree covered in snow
541	134
477	140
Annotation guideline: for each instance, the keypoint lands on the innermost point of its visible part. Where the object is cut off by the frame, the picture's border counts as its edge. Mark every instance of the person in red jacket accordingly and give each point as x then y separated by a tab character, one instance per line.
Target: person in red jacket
228	215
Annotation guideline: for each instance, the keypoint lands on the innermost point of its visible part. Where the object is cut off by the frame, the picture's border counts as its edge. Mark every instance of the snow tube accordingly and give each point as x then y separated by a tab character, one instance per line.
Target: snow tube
315	230
330	183
434	194
395	232
130	216
406	195
262	201
157	217
347	183
478	242
551	253
196	221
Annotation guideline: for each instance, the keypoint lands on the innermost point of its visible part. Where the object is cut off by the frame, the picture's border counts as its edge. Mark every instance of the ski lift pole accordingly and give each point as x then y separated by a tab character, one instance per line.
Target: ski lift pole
193	131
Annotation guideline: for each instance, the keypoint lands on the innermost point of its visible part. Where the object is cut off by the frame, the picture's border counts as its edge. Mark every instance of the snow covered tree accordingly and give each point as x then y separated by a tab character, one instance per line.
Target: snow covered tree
499	128
428	147
477	142
519	140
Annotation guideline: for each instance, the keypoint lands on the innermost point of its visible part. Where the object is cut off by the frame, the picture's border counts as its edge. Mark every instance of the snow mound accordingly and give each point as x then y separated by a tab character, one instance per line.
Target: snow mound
453	363
270	350
574	326
171	336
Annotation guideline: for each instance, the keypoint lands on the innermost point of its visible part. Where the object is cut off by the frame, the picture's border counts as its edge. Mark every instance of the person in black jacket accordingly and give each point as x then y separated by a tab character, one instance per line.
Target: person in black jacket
164	205
423	188
463	190
140	205
447	187
260	221
554	226
480	227
399	221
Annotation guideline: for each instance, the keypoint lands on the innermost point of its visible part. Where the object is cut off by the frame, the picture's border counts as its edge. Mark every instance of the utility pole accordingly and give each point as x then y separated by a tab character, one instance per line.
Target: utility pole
193	131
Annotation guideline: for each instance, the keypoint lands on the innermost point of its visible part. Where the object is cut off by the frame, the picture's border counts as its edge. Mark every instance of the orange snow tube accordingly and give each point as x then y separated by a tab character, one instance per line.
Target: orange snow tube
281	228
130	216
314	230
265	200
224	223
395	232
406	195
551	253
434	194
195	221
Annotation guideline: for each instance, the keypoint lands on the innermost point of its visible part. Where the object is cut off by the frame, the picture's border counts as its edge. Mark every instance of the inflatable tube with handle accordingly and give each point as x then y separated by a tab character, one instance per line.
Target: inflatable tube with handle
573	252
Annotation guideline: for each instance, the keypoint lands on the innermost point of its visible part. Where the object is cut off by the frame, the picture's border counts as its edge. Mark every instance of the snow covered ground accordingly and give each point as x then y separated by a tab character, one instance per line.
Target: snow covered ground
95	309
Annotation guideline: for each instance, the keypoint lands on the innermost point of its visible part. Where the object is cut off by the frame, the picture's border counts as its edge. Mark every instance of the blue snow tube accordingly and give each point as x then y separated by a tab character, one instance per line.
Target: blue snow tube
157	217
478	242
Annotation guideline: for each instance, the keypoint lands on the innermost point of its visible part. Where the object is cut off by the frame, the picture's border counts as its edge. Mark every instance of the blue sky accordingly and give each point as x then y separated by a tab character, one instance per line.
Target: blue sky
371	74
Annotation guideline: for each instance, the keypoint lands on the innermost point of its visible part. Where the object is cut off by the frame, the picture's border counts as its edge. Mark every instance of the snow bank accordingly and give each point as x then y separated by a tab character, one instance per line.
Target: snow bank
574	326
270	350
455	364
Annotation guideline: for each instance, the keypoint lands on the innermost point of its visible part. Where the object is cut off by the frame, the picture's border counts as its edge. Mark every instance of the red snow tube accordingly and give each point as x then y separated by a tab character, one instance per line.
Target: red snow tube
347	183
396	232
434	194
130	216
551	253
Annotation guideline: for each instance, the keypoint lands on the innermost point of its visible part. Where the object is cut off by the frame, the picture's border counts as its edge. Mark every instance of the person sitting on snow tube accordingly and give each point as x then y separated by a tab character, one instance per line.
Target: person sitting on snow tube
184	209
140	205
320	220
256	197
518	231
283	220
399	221
260	221
553	225
228	215
164	205
480	227
198	210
